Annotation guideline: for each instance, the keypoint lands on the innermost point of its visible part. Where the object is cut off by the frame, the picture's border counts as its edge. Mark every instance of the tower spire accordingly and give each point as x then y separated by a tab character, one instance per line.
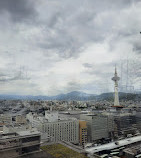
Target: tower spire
115	69
116	79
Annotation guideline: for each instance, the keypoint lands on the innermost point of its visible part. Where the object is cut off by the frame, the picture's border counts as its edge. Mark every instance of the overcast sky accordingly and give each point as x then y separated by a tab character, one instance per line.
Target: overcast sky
48	47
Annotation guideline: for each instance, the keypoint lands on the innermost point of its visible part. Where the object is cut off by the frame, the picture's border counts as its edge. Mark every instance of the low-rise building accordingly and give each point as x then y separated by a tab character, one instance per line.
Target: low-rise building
132	152
20	119
19	143
14	128
7	119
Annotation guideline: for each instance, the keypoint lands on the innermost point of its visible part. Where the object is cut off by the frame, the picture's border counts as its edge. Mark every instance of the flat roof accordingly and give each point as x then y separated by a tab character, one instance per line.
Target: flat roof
29	132
113	145
59	150
18	134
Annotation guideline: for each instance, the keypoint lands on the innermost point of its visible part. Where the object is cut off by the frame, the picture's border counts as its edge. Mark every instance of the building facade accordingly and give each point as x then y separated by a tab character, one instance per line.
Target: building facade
98	126
19	143
82	132
56	129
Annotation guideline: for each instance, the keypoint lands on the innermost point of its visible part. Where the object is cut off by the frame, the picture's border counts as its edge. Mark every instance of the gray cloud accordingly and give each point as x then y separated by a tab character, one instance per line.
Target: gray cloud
73	27
18	10
13	76
87	65
73	86
137	47
43	34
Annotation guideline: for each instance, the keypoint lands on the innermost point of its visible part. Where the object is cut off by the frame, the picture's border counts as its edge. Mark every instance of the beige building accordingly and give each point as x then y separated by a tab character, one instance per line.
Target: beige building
20	119
82	132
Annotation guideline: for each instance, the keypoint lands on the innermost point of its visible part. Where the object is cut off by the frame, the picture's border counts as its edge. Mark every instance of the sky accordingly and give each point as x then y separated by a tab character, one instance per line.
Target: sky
48	47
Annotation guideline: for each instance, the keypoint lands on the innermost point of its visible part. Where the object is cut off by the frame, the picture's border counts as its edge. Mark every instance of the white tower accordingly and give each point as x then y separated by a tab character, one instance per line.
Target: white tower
116	79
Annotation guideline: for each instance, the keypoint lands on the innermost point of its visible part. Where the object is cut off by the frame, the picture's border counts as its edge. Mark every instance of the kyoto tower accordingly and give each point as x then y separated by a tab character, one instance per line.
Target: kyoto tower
116	79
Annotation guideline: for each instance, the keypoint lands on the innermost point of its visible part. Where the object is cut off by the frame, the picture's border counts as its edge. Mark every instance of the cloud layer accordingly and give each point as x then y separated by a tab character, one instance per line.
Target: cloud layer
49	47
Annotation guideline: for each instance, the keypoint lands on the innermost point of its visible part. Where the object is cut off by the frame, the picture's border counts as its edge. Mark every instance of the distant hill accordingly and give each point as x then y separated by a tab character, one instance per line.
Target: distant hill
122	96
75	95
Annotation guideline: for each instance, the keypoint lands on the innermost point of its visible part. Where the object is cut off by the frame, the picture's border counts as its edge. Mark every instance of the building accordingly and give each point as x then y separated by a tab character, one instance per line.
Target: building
56	128
19	143
115	147
98	126
63	130
138	120
132	152
14	128
51	116
124	123
82	132
20	119
6	119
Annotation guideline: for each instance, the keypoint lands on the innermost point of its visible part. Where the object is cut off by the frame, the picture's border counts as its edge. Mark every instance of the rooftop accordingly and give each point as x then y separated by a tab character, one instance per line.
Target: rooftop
29	132
113	145
59	151
18	134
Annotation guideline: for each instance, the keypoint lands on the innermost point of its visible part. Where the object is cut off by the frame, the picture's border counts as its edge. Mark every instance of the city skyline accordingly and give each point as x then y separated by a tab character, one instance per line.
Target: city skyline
51	47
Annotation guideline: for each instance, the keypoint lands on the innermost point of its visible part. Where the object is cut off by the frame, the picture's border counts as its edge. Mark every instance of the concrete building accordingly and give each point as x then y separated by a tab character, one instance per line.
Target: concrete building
56	128
133	152
19	143
14	128
63	130
20	119
115	147
82	132
98	126
51	116
6	119
138	120
124	123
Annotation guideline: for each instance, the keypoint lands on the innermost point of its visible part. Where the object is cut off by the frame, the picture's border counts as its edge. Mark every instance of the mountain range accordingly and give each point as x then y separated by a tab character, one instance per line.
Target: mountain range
74	95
